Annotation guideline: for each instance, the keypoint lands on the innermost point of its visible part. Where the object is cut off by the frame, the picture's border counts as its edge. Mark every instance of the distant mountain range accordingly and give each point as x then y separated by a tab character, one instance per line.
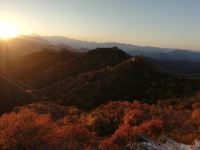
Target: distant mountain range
26	44
152	52
174	60
78	44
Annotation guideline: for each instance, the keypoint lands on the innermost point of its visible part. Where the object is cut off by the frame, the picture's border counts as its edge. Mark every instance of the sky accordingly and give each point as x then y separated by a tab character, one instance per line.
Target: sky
161	23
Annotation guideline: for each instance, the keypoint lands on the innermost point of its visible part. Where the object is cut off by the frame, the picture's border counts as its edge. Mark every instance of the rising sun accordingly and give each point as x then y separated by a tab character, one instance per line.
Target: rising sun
8	30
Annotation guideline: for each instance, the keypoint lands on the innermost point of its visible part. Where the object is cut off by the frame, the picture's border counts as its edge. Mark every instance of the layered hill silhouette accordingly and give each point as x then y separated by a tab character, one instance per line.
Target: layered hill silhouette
22	45
167	54
89	79
174	60
27	67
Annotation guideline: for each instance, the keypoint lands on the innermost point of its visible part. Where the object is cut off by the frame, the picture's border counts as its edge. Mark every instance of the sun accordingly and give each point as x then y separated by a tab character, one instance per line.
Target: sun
8	30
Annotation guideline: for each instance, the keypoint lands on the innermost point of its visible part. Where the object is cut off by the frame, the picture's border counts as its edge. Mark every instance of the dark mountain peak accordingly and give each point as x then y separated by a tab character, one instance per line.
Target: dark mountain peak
105	52
121	81
84	62
107	56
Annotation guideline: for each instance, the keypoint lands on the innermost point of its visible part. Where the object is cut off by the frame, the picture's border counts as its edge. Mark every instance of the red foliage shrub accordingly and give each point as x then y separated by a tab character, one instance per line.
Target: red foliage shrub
134	117
29	130
117	124
24	130
128	134
107	118
151	128
71	137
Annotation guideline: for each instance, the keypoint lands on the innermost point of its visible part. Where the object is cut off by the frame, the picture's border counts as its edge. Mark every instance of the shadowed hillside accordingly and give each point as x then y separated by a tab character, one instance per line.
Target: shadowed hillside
90	61
134	78
89	79
14	94
27	67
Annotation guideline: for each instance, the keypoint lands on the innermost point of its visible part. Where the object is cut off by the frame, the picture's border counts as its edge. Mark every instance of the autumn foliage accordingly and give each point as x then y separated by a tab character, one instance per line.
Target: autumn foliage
111	126
29	130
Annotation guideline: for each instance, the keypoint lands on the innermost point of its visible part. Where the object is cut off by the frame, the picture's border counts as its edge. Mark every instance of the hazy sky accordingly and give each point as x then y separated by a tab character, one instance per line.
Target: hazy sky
163	23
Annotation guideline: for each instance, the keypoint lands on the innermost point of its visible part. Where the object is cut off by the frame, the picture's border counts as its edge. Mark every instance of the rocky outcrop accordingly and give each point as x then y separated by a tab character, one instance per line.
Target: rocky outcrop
163	144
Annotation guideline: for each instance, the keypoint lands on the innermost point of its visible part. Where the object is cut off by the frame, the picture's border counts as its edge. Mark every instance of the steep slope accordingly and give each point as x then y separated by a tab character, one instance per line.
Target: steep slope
14	94
134	78
22	45
29	59
90	61
27	67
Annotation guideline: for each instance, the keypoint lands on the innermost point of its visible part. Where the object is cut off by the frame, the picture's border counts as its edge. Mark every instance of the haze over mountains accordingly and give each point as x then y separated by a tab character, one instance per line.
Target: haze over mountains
173	60
154	52
37	42
108	96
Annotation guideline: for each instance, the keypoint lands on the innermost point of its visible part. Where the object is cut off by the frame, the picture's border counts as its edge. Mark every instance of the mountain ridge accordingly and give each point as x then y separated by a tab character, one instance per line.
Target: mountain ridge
109	73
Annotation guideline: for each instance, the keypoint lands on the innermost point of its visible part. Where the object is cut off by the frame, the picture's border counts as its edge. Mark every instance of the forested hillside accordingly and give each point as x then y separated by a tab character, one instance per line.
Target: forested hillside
101	99
89	79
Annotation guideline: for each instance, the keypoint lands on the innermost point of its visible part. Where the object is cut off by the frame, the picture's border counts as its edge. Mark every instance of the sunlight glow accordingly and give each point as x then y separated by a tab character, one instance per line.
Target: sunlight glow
8	30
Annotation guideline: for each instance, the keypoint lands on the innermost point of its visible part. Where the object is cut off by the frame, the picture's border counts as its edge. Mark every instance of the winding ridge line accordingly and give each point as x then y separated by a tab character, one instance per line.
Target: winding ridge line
22	86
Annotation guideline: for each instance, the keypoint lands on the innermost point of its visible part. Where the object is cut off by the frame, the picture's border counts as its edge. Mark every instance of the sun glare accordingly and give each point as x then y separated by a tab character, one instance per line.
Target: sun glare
8	30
